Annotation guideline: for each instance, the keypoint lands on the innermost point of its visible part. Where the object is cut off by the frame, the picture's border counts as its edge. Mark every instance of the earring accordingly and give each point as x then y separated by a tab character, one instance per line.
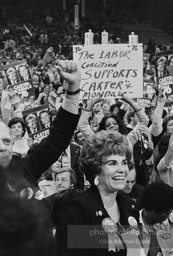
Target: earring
96	181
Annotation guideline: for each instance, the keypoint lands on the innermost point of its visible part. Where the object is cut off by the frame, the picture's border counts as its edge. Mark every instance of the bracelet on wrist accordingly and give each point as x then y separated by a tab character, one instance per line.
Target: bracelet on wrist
138	110
73	93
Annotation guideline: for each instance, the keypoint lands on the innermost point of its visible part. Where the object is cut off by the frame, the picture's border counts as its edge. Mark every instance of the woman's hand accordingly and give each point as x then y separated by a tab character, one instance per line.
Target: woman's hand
91	103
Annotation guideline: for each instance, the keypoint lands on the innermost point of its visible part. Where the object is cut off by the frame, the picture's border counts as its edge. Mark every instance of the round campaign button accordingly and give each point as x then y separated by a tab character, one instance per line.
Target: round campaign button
166	235
109	225
132	221
159	254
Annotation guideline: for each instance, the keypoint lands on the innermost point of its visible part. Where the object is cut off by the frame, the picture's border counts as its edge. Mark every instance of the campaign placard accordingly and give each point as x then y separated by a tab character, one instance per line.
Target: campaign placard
144	103
38	121
109	70
149	90
164	64
19	79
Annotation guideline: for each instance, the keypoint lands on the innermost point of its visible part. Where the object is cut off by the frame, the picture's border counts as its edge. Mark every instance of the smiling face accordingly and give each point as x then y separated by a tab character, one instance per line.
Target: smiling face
113	174
45	118
111	124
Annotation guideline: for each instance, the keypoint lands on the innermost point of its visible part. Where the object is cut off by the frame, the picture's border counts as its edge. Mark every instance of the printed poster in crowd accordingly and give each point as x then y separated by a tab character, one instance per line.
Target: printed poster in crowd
149	72
54	98
145	104
164	63
149	90
38	121
19	79
109	70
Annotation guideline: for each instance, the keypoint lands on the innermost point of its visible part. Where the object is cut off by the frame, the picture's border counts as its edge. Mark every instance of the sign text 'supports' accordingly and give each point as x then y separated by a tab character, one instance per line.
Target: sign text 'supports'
109	70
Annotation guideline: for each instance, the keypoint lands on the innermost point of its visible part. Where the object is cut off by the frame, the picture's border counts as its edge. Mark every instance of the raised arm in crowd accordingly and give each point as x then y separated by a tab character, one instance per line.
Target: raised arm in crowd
26	171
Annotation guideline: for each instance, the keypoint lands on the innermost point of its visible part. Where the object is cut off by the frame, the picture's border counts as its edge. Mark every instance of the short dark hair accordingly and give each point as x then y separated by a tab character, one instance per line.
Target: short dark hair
75	135
73	178
15	120
121	125
166	119
44	111
157	197
115	105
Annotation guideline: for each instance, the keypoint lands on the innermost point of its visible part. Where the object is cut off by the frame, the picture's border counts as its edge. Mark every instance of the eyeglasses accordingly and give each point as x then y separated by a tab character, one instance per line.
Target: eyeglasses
62	180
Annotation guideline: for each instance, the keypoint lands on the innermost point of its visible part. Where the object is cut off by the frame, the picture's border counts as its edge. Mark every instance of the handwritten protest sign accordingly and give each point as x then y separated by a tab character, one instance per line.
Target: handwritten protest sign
38	121
164	63
109	70
19	79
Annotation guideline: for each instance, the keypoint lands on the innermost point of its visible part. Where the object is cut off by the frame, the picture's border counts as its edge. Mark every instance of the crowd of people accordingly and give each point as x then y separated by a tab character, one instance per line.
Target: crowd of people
81	176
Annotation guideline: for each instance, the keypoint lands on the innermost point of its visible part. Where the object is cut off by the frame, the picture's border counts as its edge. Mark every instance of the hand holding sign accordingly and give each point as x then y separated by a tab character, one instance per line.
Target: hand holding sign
69	71
133	104
91	103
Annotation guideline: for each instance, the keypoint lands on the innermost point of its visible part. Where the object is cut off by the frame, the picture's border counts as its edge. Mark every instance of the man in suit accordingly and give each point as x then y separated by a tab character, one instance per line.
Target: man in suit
24	172
12	75
23	73
134	192
161	66
45	119
68	159
32	123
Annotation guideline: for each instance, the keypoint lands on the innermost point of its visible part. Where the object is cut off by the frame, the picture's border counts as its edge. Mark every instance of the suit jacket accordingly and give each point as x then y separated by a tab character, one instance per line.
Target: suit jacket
75	152
30	168
31	132
79	225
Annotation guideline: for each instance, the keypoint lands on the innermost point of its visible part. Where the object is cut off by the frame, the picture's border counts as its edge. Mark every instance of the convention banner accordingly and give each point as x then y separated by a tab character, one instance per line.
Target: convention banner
110	69
164	64
38	121
19	79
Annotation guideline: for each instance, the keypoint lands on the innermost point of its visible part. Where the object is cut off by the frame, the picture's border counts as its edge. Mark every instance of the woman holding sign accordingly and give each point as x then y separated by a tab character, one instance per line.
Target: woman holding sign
114	123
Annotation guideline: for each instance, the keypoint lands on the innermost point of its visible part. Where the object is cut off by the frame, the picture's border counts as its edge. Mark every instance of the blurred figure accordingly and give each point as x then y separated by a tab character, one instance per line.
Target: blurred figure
79	138
23	73
18	129
156	218
25	227
161	66
32	123
45	119
134	193
12	76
